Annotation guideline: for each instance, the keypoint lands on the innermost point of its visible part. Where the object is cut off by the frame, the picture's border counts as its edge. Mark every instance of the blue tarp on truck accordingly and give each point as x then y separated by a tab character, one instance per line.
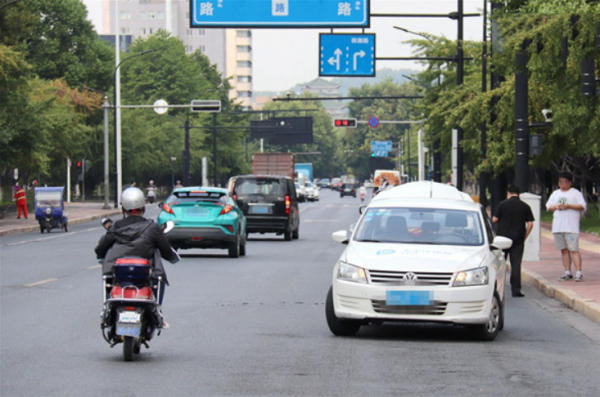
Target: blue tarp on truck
305	169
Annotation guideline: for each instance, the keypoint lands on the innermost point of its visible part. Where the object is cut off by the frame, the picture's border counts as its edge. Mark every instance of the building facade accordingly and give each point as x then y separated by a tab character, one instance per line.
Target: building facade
229	49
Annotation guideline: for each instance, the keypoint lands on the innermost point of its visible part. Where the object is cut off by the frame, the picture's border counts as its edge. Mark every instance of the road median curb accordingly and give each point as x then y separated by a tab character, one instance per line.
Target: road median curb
587	307
71	222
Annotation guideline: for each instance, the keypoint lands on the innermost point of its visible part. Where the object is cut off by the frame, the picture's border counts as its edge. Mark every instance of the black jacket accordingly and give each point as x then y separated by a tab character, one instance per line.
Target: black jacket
135	236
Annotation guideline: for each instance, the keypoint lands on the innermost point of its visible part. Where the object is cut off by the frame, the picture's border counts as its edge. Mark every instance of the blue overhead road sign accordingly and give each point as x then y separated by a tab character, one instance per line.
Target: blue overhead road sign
347	54
381	146
279	13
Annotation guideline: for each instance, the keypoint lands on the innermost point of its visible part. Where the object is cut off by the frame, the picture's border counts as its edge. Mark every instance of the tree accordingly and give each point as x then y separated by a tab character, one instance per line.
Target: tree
59	42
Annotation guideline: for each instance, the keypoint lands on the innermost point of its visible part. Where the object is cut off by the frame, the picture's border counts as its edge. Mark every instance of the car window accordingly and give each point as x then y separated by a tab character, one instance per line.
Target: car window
198	196
263	186
420	226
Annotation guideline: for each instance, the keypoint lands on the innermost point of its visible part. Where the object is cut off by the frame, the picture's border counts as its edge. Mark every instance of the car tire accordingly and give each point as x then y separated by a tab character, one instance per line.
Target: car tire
296	233
336	326
234	249
489	330
243	249
287	235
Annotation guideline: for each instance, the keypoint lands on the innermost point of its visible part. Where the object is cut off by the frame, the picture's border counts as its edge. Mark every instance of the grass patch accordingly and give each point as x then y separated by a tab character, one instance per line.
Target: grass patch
591	224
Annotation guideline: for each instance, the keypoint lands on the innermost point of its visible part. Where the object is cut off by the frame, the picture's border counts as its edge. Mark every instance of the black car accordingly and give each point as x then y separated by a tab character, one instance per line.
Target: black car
348	189
269	203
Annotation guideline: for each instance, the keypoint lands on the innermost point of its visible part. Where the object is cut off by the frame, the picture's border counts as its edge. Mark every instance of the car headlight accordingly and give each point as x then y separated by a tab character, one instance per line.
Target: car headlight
48	211
348	272
477	276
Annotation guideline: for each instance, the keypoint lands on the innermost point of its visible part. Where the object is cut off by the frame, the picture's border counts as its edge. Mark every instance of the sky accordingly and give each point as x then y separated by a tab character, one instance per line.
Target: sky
282	58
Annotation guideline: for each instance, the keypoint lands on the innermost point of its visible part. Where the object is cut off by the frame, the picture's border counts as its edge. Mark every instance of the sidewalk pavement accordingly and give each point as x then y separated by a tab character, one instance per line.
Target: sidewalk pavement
583	297
77	213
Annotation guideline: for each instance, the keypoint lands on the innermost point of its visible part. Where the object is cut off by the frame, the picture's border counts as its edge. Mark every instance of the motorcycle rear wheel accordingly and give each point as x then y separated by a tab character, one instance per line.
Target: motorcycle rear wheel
128	348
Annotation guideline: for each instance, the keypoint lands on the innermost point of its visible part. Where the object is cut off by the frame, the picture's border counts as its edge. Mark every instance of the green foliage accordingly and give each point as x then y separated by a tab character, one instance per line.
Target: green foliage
150	140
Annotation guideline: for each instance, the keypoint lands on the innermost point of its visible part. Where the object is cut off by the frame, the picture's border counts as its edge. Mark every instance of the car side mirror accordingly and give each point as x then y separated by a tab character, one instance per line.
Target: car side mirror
341	236
502	243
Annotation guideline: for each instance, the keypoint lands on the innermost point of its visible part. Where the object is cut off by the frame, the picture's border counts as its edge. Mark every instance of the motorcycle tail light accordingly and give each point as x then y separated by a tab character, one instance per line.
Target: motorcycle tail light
288	204
227	208
167	208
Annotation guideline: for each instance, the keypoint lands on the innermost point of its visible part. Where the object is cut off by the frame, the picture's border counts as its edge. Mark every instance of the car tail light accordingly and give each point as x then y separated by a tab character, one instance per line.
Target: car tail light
228	227
130	308
288	204
167	208
226	209
235	196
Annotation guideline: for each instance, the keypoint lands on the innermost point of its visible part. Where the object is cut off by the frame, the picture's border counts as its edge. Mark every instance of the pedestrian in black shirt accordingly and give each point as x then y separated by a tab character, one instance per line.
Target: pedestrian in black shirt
515	221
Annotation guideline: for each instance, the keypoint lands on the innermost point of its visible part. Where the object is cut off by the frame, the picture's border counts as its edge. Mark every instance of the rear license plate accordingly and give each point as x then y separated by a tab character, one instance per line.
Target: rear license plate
129	317
408	298
259	209
129	329
197	212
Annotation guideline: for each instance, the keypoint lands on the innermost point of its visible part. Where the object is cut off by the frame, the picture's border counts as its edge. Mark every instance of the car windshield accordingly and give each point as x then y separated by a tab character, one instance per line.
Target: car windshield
420	226
197	196
308	184
44	199
264	186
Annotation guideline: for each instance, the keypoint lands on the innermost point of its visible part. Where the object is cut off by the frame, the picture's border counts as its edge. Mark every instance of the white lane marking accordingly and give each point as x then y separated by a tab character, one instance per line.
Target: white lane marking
49	237
94	267
41	282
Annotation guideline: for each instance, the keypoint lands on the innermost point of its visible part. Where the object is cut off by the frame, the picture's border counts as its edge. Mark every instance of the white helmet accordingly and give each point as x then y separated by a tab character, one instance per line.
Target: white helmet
132	199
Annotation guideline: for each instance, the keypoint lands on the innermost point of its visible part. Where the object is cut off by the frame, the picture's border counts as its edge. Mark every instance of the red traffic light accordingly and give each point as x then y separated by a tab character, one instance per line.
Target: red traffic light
79	164
351	123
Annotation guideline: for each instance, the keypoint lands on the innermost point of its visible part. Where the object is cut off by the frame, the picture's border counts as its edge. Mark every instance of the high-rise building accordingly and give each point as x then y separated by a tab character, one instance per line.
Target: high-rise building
229	49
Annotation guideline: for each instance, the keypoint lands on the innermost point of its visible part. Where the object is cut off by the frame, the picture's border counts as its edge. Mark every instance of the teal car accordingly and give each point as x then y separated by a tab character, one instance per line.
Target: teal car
204	217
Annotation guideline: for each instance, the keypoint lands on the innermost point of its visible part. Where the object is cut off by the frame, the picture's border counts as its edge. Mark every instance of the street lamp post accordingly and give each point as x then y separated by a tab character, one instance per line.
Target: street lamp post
118	129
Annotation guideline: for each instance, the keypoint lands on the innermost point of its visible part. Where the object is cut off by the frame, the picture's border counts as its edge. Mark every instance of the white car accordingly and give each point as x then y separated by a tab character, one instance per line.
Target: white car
421	251
311	191
300	192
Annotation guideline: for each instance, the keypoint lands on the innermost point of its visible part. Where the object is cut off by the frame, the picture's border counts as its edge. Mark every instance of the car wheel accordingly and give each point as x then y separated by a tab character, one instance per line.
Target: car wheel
287	235
489	330
243	247
296	233
336	326
234	249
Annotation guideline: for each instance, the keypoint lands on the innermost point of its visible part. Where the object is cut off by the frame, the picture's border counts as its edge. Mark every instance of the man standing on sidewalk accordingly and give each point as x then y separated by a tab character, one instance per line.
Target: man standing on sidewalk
567	203
515	221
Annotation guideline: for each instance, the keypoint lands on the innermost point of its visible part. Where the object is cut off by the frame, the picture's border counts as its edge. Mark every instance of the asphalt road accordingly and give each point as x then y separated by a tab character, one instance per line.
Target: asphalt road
255	326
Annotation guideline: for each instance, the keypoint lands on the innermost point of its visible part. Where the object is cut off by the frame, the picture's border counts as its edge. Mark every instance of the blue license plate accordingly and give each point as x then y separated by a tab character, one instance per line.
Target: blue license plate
408	298
255	209
129	330
197	212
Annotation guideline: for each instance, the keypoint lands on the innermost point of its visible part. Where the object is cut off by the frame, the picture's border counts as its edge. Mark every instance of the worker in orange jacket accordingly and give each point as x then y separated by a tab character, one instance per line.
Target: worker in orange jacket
21	198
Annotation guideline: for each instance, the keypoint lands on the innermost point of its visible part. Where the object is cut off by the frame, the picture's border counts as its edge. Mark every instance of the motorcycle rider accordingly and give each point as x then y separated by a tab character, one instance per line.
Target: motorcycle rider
363	192
135	235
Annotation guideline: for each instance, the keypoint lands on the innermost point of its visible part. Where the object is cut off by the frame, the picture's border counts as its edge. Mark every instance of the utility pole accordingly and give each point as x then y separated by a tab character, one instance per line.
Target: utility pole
459	82
522	120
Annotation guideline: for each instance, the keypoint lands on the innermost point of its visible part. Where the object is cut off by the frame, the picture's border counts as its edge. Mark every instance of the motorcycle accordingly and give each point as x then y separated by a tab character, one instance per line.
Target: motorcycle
363	193
131	312
49	208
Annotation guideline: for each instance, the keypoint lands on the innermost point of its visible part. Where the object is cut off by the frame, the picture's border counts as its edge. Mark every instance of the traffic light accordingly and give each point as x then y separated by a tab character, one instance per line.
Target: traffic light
78	164
345	123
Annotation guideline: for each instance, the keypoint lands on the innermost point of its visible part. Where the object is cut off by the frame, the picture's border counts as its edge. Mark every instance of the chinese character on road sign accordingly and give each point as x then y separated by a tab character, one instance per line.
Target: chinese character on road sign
280	13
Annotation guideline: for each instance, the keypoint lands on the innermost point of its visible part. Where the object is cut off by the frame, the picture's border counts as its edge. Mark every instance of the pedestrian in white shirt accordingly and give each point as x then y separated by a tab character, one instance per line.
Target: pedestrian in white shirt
567	203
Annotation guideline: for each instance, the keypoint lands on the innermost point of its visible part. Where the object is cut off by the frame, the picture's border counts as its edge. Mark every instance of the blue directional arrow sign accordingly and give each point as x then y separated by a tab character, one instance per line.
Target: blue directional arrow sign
279	13
347	54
